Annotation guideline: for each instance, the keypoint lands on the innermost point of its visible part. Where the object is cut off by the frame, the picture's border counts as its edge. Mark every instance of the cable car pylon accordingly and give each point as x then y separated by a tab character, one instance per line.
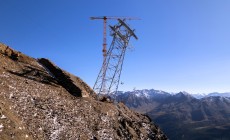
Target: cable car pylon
108	78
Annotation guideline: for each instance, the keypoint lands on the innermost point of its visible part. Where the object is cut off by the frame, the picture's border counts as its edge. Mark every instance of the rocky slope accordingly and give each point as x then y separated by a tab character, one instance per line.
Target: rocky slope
38	102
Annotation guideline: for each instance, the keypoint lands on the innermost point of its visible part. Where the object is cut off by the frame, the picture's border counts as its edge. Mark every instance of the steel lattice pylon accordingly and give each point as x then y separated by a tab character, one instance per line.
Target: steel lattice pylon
109	76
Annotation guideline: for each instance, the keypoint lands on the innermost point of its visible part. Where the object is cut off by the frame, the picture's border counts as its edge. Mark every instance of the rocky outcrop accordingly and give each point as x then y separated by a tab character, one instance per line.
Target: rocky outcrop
15	55
62	78
34	104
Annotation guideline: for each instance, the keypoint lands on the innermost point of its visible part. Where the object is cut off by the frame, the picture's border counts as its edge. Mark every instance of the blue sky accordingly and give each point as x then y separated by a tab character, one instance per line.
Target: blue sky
183	45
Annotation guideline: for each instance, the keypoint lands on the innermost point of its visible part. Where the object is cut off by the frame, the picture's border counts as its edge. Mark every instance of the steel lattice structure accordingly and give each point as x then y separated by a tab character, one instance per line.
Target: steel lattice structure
109	76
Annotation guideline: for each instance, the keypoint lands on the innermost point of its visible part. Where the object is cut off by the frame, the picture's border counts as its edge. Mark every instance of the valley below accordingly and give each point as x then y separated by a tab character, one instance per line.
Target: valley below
182	115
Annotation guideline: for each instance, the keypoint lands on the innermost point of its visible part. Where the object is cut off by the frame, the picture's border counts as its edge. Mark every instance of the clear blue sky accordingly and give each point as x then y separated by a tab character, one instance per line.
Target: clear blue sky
184	45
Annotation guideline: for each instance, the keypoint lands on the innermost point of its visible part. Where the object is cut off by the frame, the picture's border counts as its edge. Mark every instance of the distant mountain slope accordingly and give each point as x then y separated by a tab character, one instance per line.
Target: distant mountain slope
44	102
199	96
226	94
181	115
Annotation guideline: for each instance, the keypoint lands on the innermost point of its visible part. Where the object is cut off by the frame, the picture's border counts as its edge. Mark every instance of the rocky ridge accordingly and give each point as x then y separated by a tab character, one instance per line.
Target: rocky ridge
36	104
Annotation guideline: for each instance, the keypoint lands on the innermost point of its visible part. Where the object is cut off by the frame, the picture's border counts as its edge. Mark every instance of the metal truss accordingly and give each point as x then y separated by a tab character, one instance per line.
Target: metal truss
109	76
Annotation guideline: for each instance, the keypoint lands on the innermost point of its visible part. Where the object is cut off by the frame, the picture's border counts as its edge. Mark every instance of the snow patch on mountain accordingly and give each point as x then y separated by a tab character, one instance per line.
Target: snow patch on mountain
150	93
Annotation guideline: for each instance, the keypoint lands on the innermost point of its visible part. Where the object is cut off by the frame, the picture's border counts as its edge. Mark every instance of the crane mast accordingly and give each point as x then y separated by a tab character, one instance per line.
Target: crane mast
109	76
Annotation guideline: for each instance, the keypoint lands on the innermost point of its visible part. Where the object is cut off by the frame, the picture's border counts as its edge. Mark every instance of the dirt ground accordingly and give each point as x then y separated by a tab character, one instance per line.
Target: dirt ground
34	105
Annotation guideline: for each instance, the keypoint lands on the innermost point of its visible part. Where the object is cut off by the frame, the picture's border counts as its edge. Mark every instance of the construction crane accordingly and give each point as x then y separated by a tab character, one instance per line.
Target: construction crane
108	79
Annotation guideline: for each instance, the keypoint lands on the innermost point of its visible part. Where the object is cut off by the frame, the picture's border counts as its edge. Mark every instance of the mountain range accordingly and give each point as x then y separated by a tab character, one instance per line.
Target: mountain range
183	115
